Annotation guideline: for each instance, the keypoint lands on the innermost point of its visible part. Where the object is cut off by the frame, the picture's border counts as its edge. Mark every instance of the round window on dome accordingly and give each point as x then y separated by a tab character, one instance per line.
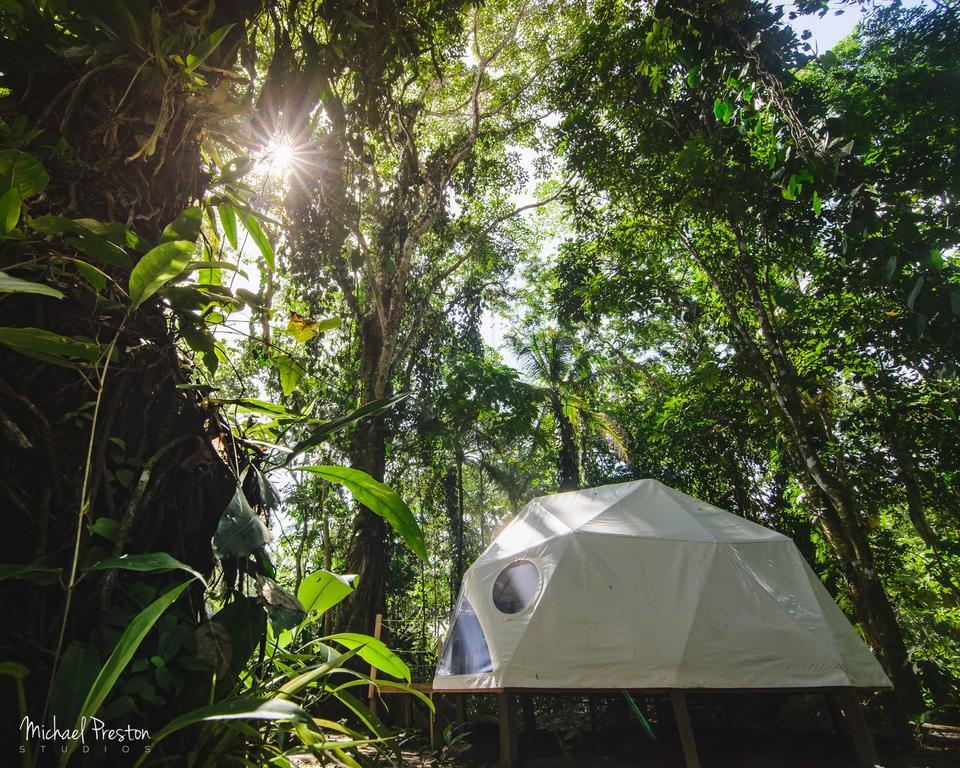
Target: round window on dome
516	587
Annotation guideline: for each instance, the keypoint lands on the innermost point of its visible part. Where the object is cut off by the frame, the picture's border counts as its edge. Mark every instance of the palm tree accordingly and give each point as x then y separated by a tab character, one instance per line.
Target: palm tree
561	376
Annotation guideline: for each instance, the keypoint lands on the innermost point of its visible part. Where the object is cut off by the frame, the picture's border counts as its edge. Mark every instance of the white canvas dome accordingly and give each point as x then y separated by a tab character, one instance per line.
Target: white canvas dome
637	585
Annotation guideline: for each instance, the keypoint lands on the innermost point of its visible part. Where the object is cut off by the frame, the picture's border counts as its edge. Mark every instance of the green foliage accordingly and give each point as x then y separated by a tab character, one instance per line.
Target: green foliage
118	659
378	498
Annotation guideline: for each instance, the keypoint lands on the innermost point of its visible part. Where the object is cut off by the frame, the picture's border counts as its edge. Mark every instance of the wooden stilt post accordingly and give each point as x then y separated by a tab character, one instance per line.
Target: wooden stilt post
857	727
508	730
407	710
594	719
372	689
529	716
682	716
460	704
836	712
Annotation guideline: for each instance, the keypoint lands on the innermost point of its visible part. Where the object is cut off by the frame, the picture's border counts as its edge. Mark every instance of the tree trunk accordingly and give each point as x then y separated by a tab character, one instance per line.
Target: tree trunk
367	555
841	522
458	541
568	461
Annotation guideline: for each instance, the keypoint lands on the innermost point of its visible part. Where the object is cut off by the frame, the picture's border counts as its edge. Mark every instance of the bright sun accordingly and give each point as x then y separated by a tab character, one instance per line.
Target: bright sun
280	155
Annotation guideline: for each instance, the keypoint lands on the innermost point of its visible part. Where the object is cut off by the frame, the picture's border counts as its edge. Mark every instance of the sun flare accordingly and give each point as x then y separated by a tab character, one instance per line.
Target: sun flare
280	154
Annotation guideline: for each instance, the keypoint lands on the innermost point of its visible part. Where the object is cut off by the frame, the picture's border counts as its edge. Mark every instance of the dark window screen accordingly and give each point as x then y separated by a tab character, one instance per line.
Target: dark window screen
516	587
465	652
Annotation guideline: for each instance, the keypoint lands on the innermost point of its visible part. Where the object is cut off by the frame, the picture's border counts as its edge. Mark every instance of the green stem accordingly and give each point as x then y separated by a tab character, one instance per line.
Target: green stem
84	503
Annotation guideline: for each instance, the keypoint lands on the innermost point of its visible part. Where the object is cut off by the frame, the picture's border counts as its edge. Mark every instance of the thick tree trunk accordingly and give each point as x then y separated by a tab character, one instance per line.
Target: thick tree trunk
367	555
568	461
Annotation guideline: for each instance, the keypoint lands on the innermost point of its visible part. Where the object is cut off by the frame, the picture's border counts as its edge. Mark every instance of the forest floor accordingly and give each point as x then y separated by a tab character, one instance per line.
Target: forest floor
625	747
727	749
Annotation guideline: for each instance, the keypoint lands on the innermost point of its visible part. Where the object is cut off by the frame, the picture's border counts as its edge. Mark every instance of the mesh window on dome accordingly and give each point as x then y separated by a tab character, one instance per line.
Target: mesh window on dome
516	587
465	652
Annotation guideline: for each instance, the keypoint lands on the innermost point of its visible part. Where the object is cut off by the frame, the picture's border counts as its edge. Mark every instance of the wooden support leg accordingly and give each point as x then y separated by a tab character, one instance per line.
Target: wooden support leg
460	703
407	711
529	716
682	716
857	727
594	719
508	730
836	712
372	688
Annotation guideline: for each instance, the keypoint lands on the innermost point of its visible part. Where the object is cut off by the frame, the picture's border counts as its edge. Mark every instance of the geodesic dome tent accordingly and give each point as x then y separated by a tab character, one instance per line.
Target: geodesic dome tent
639	586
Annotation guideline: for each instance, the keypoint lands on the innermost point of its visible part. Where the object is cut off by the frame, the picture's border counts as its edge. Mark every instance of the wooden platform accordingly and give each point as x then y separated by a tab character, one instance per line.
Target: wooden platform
843	703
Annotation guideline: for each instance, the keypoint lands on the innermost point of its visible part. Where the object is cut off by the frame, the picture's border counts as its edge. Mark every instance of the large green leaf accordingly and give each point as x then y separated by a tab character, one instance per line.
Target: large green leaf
263	243
49	347
22	172
10	284
378	498
228	223
158	266
278	710
150	562
101	249
322	590
198	55
185	227
76	673
121	655
10	205
37	573
290	371
240	531
374	652
245	622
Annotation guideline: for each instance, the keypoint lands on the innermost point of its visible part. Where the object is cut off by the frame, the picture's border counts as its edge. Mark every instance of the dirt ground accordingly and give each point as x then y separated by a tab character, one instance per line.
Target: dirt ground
627	748
717	750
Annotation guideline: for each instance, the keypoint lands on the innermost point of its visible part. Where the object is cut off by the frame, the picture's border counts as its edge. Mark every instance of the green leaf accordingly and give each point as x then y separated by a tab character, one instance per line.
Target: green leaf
33	572
914	292
150	562
328	428
722	110
10	284
258	406
304	679
322	590
106	527
199	54
228	222
291	372
121	655
49	347
51	225
185	227
101	249
76	673
379	499
245	623
257	235
817	203
240	531
374	652
10	204
277	710
23	172
284	609
158	266
13	669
